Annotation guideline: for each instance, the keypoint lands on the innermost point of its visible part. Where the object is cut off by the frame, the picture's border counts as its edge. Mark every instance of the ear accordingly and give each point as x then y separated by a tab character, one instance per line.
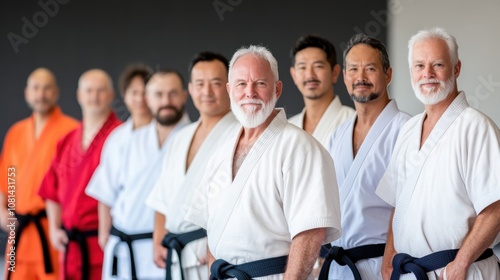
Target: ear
228	88
335	73
457	69
279	89
388	76
292	73
79	96
190	89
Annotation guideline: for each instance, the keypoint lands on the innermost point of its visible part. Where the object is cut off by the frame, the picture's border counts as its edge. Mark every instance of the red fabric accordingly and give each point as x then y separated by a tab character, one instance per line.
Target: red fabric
66	180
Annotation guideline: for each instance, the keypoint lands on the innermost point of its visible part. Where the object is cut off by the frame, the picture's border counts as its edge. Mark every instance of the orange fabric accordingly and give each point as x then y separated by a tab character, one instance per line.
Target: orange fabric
31	158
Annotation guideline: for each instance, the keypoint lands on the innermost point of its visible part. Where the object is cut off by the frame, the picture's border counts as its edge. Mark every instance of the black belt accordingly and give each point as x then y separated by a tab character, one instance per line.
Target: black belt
128	239
349	257
404	263
75	235
25	220
221	269
177	242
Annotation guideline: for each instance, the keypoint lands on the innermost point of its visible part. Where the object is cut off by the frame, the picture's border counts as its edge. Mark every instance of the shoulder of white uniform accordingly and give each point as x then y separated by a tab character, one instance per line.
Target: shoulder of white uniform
296	119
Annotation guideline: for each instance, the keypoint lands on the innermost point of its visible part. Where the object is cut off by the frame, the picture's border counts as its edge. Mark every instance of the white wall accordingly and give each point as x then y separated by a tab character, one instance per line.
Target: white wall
475	25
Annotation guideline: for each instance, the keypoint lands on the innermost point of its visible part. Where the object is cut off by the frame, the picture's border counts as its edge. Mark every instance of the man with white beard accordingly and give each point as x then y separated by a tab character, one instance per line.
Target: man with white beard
262	196
444	176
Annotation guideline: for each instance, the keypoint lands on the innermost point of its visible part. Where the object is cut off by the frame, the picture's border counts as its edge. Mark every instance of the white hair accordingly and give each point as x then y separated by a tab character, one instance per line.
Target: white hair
259	51
435	33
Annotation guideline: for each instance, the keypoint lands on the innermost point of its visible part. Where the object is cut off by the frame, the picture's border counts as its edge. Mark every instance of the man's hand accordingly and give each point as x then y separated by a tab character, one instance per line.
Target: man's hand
59	239
160	256
453	271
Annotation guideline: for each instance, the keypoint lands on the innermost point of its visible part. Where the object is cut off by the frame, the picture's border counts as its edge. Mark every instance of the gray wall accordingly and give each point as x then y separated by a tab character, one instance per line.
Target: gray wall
111	34
474	24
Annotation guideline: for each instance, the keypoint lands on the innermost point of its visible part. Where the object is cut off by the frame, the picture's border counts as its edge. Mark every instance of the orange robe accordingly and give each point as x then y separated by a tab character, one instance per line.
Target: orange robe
31	159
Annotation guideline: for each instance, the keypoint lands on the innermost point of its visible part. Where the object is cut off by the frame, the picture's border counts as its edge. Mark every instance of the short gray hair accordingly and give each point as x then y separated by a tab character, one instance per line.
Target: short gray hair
435	33
259	51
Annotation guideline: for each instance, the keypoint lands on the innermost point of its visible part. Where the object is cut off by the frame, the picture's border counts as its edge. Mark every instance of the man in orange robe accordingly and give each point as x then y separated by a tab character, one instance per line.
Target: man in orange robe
27	152
72	214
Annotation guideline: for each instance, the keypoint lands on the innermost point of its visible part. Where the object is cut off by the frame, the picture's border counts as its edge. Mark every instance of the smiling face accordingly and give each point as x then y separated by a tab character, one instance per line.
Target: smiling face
433	75
134	97
166	98
208	88
253	90
312	73
364	74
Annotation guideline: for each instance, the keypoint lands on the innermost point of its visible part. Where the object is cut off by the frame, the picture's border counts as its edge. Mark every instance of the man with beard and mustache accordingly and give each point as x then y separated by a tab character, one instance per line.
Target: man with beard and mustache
128	252
71	213
262	198
444	175
314	71
361	148
27	152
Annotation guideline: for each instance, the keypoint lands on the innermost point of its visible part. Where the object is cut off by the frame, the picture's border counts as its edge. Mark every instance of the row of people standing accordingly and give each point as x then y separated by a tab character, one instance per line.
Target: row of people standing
290	196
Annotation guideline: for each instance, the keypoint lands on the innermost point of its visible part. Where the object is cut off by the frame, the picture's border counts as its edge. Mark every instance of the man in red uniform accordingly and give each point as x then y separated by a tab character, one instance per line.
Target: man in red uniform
72	214
28	149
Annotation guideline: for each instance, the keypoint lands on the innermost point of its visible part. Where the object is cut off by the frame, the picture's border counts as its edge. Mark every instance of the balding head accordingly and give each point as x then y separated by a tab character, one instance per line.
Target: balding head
41	92
95	92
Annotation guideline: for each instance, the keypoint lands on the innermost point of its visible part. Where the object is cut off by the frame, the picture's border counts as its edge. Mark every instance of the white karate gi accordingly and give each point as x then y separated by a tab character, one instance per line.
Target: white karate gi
278	192
439	189
175	188
139	164
335	115
365	217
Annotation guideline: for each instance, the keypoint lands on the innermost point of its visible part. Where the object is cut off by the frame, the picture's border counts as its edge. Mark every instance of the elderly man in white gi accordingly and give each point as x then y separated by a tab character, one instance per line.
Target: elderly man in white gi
183	169
122	187
361	149
262	199
314	71
444	176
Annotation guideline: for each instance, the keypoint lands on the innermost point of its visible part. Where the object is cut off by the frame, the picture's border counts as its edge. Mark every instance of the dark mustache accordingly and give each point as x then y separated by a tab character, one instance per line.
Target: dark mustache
311	80
362	84
168	107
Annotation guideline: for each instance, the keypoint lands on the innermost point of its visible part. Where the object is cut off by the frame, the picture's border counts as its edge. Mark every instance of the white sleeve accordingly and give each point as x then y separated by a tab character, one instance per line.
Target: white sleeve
104	185
155	199
310	194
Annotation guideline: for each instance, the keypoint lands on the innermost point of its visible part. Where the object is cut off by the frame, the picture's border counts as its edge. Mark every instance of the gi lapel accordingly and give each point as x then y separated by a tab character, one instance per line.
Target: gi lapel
419	157
197	168
389	112
233	194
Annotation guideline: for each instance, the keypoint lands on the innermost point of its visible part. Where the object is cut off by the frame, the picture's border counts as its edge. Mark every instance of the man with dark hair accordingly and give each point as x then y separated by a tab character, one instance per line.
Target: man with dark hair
314	71
28	149
361	148
132	84
121	187
183	169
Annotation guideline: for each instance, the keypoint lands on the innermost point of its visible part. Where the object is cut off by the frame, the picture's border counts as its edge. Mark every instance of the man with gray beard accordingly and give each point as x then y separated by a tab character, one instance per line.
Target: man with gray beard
444	175
262	198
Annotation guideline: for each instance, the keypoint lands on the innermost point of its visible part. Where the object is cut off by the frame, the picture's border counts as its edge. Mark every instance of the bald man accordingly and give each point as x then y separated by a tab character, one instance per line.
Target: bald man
28	149
72	214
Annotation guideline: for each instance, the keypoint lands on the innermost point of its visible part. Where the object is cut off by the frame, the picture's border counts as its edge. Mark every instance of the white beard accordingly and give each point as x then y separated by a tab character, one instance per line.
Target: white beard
254	118
429	98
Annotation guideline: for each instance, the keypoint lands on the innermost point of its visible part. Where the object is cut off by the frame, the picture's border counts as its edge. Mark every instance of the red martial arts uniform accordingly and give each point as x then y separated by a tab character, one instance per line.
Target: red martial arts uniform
65	183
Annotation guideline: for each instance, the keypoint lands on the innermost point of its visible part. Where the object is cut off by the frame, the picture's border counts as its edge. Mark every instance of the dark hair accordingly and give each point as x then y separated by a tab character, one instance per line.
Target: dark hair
132	71
208	56
171	71
361	38
313	41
